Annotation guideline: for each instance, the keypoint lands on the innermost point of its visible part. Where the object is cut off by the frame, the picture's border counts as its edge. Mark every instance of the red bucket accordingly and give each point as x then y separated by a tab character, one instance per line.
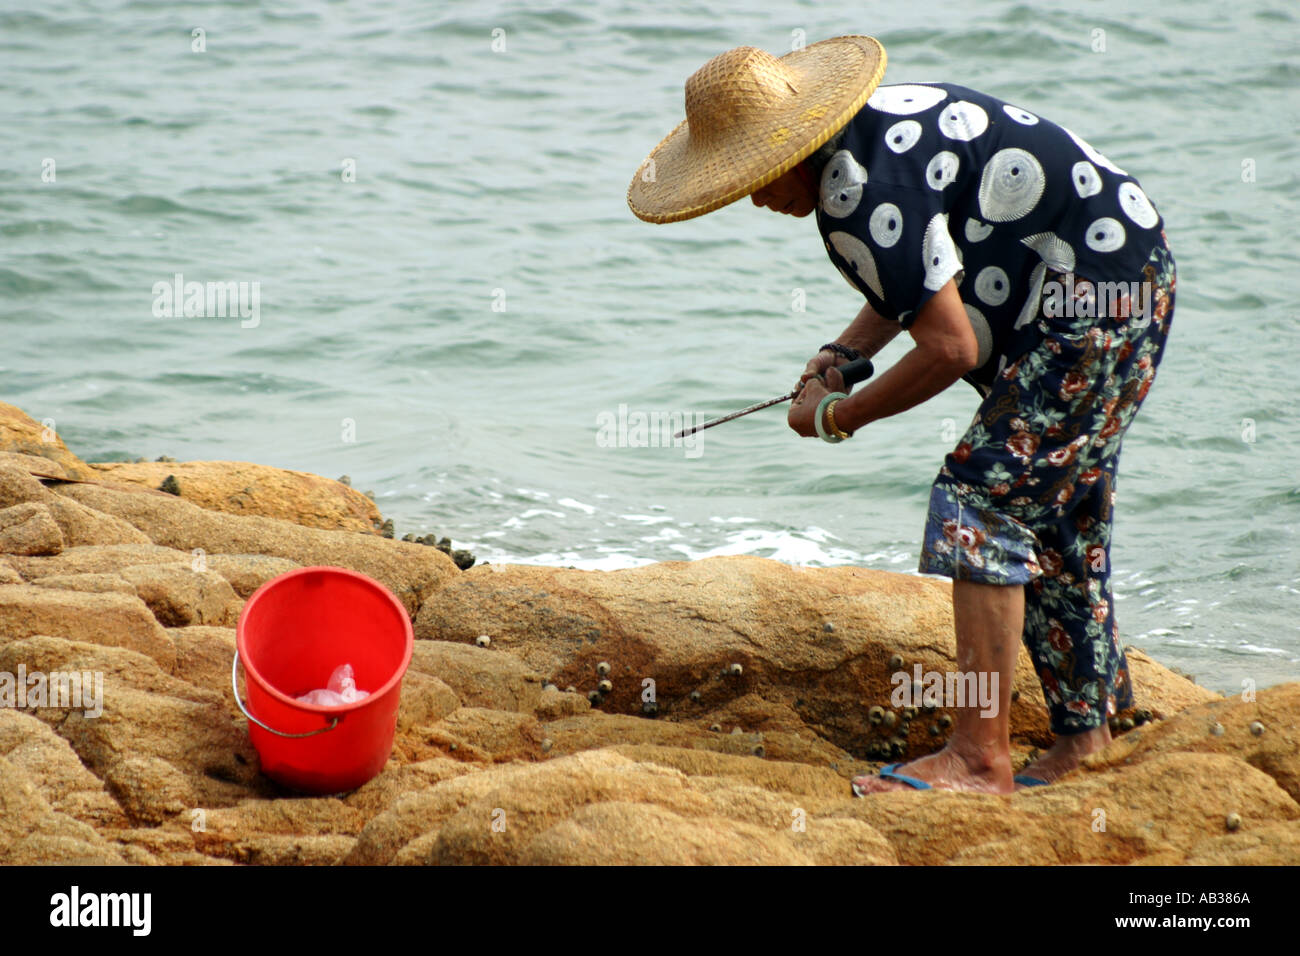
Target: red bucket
293	632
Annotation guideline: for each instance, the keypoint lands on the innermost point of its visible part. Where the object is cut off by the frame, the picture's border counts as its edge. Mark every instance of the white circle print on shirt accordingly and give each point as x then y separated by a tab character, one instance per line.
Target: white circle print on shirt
1137	206
1105	235
903	135
941	171
841	185
1086	179
939	253
992	286
963	121
856	253
1024	117
906	98
1011	186
886	225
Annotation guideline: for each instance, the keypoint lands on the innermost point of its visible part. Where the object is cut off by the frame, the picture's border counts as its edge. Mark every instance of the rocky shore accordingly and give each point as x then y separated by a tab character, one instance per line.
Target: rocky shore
528	732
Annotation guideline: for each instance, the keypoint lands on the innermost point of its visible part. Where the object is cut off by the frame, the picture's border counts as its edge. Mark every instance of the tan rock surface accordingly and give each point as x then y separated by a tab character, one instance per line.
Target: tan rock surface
410	571
680	761
29	529
91	583
21	433
241	488
683	625
32	832
179	596
110	619
96	559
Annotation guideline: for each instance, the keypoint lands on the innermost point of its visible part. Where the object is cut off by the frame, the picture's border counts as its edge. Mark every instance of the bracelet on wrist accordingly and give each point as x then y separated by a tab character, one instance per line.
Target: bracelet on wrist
833	428
844	351
820	420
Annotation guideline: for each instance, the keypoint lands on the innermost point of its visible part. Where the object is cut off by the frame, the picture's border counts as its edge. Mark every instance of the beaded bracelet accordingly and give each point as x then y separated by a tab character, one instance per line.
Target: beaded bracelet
845	351
822	433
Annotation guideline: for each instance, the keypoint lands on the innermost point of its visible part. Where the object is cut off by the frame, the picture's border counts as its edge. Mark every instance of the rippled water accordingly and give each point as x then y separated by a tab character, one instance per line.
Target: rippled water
489	178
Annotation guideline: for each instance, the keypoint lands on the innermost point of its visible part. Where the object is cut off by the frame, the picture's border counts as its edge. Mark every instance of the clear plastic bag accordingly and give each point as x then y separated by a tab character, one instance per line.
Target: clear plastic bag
342	689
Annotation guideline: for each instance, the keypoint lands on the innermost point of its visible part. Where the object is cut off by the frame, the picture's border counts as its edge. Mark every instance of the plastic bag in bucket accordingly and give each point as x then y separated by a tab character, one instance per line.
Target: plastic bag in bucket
293	632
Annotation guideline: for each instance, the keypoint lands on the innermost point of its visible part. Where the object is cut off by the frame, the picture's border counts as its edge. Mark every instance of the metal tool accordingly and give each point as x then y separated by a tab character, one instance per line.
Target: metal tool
859	370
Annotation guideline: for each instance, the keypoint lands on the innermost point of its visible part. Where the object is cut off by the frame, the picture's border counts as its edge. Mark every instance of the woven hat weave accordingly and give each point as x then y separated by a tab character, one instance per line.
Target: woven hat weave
750	119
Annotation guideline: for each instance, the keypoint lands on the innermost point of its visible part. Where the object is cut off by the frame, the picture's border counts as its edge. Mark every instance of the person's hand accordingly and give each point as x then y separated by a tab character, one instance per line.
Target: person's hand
803	410
819	363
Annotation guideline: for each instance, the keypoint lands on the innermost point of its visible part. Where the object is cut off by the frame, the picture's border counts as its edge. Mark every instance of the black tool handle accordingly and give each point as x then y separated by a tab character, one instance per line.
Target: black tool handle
859	370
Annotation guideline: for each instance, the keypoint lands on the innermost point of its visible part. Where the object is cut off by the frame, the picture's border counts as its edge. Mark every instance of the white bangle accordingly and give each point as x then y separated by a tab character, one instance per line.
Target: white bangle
822	433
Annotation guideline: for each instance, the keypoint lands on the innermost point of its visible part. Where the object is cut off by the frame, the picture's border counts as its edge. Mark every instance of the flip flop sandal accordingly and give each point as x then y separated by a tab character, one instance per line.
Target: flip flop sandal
1027	781
890	773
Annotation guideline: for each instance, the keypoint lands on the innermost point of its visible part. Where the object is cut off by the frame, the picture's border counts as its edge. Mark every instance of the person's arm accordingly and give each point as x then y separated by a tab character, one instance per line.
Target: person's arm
946	349
869	332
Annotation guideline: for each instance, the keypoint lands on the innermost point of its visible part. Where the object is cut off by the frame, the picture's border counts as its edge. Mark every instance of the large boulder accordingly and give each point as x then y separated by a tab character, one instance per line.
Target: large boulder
1163	811
179	596
241	488
78	525
33	833
808	648
411	571
736	711
1262	730
29	529
95	559
21	433
57	773
110	619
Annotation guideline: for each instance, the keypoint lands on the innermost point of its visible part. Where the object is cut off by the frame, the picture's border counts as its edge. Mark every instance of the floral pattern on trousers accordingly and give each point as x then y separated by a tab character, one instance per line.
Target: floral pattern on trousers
1027	496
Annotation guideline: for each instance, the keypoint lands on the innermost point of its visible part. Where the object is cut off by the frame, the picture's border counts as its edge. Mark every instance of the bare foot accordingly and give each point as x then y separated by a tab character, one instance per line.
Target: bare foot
1066	754
948	770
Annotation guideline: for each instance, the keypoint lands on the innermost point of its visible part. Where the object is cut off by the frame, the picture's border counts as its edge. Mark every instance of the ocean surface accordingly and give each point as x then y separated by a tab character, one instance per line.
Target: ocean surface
453	297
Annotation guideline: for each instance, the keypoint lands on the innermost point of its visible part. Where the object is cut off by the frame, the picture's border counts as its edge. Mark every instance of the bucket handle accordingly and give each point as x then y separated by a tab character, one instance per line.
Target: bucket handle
234	686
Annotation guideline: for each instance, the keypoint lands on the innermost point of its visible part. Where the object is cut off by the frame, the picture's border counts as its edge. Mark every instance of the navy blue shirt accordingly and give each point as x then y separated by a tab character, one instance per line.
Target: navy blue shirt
933	181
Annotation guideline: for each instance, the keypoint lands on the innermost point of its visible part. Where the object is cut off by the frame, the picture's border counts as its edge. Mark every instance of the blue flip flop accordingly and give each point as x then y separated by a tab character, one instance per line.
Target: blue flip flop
890	773
1027	781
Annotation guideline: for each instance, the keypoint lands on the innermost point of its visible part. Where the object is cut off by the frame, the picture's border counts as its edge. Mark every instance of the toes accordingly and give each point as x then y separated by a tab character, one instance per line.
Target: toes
862	786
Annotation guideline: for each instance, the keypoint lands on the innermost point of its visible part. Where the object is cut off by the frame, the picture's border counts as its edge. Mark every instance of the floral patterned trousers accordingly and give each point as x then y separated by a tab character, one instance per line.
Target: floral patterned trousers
1027	497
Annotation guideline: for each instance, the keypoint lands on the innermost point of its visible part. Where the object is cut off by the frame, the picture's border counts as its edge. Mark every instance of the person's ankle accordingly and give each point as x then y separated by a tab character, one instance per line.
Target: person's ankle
983	759
1085	742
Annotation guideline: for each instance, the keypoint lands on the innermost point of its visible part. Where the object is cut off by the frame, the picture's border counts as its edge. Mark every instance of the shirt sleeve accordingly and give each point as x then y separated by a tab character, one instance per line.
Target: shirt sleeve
892	241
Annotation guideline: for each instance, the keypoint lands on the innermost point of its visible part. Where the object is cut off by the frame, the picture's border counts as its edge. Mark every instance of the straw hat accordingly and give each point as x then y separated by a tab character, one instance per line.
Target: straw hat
750	119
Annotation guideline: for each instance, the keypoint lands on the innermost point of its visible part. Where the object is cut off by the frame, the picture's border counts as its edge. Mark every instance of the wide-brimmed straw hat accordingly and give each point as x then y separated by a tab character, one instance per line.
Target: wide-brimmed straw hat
750	119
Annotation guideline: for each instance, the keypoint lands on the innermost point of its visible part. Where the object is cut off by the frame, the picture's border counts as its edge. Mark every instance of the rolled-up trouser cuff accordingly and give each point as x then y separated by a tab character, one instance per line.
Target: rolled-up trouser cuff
966	539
